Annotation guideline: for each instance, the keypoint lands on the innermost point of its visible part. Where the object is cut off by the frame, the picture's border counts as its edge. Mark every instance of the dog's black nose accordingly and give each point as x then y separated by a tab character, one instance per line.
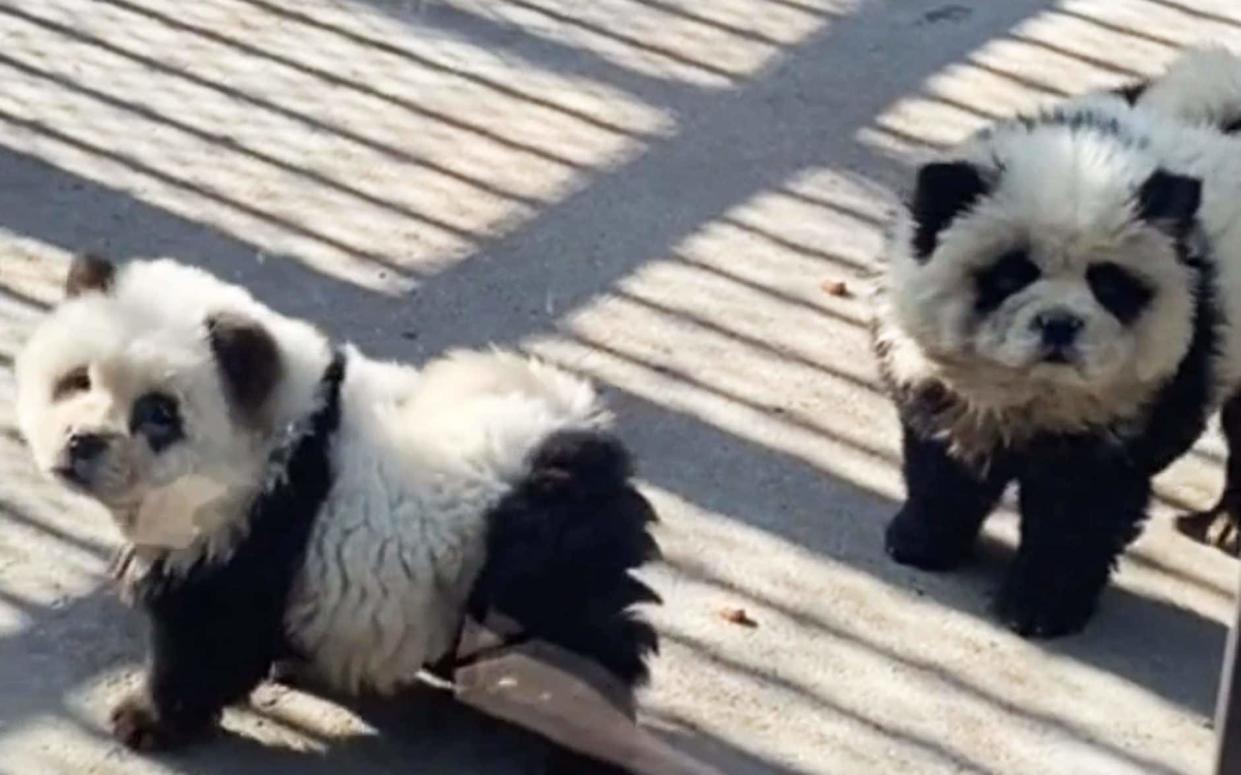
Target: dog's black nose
86	448
1059	329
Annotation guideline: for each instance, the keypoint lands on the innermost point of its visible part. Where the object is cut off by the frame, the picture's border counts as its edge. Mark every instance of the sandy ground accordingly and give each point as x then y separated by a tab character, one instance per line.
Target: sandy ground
650	192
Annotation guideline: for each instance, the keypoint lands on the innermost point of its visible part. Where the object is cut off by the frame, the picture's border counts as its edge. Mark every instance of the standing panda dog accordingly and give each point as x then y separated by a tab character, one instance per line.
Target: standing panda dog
284	499
1057	309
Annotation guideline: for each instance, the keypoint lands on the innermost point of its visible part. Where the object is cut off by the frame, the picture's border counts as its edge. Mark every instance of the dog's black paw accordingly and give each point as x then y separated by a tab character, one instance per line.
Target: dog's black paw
1216	527
912	540
138	724
1035	610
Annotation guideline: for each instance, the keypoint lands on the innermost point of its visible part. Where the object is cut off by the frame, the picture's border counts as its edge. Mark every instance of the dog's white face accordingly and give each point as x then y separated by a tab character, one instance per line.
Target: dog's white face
1051	254
124	391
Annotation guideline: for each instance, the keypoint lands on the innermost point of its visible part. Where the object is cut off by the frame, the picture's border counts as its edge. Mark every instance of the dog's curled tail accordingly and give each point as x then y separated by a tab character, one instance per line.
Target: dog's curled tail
561	549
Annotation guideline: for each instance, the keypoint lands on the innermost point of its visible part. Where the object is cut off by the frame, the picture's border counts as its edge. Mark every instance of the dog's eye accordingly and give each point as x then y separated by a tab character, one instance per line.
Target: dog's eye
1120	293
76	381
1009	274
156	416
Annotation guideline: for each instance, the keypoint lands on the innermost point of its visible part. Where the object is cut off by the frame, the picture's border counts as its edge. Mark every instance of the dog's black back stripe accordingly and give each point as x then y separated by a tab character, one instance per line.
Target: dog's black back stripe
218	625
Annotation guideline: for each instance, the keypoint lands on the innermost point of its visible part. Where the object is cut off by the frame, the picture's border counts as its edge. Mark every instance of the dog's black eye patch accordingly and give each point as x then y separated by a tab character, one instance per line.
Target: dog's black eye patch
157	417
1120	293
76	381
1010	273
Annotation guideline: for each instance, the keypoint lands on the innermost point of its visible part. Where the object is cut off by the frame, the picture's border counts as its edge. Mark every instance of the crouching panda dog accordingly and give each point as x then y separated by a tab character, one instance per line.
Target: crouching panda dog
1056	309
284	499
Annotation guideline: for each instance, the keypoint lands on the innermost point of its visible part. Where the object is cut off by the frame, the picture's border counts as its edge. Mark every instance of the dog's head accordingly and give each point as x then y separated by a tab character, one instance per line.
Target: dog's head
1051	252
147	374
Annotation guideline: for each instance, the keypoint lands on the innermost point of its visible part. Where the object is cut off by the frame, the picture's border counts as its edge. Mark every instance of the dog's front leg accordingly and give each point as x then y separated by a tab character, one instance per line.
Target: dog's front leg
945	507
1081	504
201	659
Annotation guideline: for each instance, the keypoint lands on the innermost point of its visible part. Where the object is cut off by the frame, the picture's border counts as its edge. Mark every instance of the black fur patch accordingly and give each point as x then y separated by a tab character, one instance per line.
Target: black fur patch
1009	274
560	548
1170	200
157	417
216	628
89	273
1133	92
942	192
1119	291
1232	126
249	363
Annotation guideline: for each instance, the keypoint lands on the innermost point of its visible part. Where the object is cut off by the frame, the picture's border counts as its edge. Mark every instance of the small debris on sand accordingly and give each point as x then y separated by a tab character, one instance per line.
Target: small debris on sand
837	288
737	616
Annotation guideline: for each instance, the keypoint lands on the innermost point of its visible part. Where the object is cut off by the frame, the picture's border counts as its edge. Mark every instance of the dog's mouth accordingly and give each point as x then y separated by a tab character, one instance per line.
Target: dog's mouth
1060	356
76	477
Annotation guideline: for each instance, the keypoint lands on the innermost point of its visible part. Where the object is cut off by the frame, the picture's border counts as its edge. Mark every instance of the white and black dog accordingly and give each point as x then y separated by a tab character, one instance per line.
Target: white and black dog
1060	308
287	499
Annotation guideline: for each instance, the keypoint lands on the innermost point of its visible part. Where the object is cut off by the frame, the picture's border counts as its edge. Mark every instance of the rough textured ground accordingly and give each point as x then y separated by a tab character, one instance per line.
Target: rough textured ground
650	192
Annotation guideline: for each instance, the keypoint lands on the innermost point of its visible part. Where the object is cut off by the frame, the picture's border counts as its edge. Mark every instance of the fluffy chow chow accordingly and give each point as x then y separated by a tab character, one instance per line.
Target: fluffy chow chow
286	499
1057	310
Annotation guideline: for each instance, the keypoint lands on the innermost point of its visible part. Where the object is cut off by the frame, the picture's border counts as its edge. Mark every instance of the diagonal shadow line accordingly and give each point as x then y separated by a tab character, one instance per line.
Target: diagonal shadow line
671	54
793	246
967	107
508	90
1122	29
1020	79
805	8
25	300
792	417
870	219
1199	13
304	119
770	293
1094	61
1158	566
349	83
11	511
671	9
547	53
746	340
136	165
27	608
700	572
228	143
926	144
712	654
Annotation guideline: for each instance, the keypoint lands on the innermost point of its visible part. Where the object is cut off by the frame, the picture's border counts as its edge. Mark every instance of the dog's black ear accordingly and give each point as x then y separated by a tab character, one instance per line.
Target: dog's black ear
248	360
943	190
89	273
1170	200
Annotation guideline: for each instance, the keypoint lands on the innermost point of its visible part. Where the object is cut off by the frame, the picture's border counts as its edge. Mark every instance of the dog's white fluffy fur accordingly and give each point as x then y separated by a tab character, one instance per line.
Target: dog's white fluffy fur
419	458
1068	198
1203	86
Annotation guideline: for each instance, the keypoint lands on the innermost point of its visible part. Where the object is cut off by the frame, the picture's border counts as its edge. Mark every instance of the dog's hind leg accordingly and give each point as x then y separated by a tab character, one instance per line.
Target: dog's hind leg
1218	525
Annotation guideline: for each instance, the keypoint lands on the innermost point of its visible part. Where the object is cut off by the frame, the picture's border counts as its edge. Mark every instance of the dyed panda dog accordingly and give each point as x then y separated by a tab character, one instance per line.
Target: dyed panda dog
1056	311
285	499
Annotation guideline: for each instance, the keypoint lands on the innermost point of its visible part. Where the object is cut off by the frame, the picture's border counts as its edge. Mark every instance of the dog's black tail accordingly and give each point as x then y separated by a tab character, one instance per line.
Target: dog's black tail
561	548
